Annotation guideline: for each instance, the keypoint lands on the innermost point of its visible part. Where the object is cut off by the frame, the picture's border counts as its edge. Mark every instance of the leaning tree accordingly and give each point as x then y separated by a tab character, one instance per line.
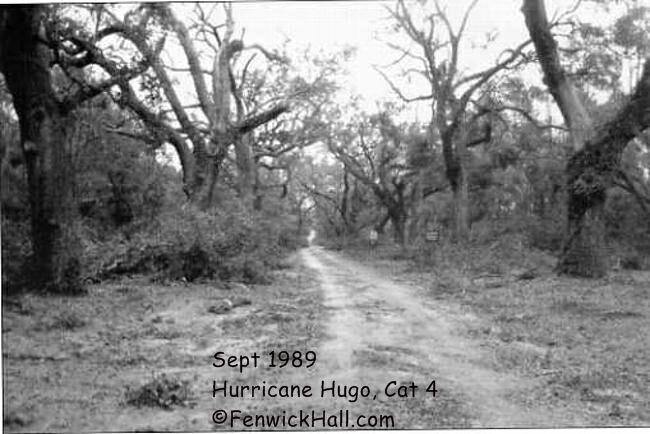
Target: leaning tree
594	166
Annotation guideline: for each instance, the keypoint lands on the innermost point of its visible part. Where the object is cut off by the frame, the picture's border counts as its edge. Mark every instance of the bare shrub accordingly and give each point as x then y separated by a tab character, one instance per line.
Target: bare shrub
228	244
162	391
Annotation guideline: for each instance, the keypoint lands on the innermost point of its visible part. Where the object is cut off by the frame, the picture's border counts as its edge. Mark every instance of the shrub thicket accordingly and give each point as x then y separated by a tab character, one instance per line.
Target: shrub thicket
231	243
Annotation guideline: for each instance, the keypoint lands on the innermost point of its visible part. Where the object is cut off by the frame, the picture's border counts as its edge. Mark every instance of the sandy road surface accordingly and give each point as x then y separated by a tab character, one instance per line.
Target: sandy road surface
372	316
69	376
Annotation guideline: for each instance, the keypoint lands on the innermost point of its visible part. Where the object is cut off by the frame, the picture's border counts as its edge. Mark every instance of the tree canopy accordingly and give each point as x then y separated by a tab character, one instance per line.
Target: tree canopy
535	136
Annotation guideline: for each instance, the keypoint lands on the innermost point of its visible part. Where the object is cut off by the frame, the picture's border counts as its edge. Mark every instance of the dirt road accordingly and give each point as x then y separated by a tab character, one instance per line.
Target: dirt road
380	330
74	363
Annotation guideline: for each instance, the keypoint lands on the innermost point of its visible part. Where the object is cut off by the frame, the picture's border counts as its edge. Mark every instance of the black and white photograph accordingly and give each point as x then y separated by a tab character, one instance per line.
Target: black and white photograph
325	215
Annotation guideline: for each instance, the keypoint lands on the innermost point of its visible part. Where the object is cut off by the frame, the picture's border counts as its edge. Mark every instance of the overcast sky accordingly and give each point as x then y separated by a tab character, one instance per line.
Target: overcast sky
332	25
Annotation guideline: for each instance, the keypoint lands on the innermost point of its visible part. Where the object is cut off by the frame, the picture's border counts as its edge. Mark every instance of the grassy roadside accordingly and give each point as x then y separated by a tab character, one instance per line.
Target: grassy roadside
134	355
588	340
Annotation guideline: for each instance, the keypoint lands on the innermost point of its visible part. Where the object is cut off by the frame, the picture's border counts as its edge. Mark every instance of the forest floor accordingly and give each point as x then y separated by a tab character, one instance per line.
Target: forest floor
135	355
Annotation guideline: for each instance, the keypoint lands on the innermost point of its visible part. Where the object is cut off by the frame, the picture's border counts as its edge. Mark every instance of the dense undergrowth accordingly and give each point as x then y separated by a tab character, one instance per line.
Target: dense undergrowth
132	217
181	243
515	242
189	244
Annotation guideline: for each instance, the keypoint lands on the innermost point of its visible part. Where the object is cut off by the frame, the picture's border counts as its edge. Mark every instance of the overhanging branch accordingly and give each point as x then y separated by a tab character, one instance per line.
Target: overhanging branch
249	124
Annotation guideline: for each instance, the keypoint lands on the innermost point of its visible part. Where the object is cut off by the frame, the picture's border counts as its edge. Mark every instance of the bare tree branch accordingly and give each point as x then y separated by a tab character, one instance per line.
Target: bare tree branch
483	110
399	93
484	76
193	61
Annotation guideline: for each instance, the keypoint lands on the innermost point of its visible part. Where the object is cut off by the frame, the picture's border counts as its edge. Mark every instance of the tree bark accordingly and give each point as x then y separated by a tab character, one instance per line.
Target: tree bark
203	195
398	222
344	202
564	93
455	172
415	203
590	173
245	169
258	196
592	168
54	265
583	253
461	208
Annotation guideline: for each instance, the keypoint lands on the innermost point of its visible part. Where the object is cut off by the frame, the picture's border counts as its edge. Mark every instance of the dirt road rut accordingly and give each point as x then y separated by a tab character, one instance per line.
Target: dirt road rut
380	330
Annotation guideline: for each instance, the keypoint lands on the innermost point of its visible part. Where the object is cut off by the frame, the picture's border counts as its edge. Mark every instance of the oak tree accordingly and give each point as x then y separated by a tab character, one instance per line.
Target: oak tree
597	149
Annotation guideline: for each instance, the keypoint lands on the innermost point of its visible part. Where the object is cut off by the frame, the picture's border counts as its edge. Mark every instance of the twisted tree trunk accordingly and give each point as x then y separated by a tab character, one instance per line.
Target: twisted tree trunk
590	172
597	154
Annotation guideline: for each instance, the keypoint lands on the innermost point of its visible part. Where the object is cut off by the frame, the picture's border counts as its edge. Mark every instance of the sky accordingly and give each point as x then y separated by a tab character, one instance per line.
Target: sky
363	24
330	26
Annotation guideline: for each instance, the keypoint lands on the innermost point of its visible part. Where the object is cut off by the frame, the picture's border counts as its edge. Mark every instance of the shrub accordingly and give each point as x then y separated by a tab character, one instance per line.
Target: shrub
162	391
16	247
545	234
231	243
